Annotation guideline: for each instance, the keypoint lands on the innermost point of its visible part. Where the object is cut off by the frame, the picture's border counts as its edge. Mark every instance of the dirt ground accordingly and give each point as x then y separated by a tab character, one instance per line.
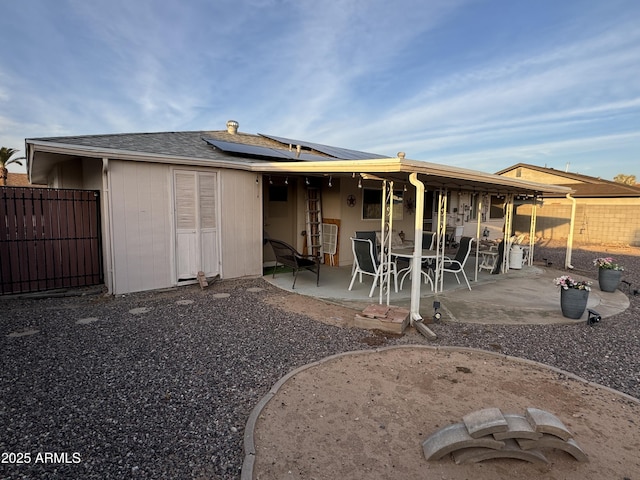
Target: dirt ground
365	416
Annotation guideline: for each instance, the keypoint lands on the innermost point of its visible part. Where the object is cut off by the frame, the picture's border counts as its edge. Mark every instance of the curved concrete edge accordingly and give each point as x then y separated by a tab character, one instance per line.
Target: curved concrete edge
248	463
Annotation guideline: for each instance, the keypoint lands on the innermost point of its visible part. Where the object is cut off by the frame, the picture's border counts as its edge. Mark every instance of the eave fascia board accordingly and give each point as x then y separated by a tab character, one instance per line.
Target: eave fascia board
377	165
395	165
445	171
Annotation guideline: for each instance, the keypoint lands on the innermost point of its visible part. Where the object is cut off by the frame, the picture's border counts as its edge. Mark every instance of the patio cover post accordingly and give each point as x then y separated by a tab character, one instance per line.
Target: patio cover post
441	240
532	229
416	260
508	225
567	258
479	215
386	229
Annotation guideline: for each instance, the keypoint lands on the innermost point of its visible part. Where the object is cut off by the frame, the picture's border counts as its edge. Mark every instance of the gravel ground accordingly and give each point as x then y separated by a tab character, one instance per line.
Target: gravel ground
160	385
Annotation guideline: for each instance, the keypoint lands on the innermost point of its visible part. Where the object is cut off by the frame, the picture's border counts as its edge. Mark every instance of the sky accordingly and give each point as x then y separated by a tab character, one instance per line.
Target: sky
480	84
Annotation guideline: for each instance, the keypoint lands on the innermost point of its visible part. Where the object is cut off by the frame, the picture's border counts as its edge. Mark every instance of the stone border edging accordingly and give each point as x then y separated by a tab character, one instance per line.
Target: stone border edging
249	441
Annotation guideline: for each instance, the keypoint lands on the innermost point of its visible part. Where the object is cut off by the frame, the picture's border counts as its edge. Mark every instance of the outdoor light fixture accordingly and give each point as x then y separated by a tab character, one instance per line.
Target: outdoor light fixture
360	182
270	181
306	180
286	181
594	317
330	178
436	314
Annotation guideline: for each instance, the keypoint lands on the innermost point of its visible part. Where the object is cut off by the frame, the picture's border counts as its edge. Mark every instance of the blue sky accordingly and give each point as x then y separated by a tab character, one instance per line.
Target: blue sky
470	83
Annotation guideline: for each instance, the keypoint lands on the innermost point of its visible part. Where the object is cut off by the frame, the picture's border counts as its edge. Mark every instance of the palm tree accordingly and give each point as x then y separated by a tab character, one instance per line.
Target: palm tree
5	159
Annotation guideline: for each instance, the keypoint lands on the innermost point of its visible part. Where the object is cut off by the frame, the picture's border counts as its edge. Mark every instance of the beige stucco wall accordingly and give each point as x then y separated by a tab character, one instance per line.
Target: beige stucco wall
240	224
141	226
352	221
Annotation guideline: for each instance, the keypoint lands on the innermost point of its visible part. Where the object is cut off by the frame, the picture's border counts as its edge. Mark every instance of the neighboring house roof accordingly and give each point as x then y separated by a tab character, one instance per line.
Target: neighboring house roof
19	180
262	154
583	185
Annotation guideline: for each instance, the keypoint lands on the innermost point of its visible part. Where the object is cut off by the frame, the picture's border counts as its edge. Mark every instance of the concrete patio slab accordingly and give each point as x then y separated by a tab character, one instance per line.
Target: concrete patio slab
518	297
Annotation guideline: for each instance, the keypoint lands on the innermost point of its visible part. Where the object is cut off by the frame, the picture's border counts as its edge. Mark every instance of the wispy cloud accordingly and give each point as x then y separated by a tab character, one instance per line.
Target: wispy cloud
376	75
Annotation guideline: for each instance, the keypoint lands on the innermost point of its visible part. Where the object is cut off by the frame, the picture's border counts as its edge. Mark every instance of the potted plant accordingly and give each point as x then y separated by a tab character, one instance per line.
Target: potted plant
574	295
609	273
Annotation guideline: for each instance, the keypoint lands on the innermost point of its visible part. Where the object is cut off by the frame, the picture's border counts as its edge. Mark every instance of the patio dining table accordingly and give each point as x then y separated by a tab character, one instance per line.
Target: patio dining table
408	254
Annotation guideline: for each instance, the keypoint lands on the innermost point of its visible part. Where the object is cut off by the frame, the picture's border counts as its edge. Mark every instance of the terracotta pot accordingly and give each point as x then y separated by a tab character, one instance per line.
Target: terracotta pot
573	302
609	279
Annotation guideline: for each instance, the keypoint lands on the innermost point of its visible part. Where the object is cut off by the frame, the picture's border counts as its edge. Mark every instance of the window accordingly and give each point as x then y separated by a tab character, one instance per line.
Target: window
496	209
473	208
372	204
278	193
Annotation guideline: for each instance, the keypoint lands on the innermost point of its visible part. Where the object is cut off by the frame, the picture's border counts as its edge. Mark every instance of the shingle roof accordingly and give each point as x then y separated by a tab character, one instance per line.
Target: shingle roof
193	144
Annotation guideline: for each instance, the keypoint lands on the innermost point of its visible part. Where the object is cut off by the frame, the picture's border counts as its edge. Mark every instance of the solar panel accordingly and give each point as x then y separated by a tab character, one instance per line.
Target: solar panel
342	153
264	152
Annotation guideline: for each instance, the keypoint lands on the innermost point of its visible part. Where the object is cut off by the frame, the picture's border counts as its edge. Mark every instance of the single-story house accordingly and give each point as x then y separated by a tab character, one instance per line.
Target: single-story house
605	211
175	203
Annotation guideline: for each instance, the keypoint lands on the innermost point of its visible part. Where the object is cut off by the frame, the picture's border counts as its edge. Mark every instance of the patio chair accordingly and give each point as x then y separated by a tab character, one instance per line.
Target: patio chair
367	235
428	240
428	243
288	256
366	262
456	265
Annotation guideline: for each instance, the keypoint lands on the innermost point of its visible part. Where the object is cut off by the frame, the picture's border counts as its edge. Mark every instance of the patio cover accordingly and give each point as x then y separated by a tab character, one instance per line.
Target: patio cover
433	177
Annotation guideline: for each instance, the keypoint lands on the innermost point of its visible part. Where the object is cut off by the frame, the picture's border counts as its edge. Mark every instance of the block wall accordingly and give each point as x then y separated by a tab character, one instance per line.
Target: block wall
595	223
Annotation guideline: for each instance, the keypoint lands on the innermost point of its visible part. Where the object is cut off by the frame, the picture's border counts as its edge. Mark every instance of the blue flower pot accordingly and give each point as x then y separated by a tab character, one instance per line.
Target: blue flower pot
573	302
609	279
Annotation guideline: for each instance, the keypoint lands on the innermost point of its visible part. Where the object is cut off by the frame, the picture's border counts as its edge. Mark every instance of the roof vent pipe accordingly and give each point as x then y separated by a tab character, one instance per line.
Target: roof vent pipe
232	127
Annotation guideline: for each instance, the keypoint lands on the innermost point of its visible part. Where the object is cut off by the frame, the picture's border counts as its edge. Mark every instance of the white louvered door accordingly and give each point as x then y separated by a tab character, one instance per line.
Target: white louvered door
196	224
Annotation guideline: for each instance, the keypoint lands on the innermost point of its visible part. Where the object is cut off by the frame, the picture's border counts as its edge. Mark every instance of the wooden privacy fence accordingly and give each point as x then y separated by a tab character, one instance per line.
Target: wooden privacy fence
49	239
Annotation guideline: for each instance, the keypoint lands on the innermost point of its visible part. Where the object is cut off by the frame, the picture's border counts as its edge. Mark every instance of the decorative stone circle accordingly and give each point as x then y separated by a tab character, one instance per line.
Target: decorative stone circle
221	295
184	302
488	434
255	289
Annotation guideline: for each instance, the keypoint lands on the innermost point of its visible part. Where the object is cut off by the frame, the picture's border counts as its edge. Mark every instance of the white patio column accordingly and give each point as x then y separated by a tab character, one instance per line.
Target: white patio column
479	216
386	230
567	257
416	261
441	240
532	228
508	226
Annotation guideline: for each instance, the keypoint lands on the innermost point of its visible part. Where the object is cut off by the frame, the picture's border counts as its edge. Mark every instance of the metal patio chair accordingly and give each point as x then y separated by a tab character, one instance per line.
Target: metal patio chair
456	265
288	256
367	263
